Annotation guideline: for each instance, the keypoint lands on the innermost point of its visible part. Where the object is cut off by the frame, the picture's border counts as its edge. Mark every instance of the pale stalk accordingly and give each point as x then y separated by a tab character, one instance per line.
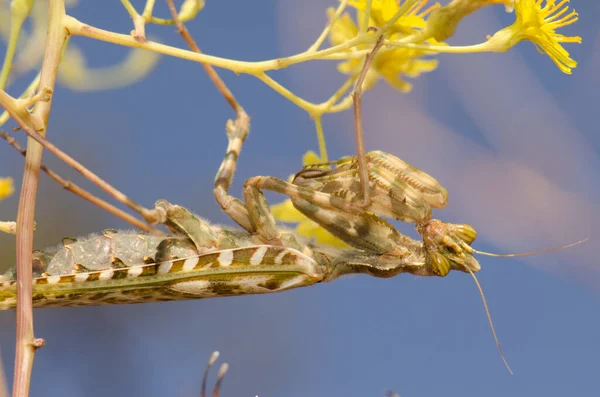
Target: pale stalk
139	22
482	47
342	105
366	17
326	105
321	139
130	8
147	13
327	29
332	102
76	27
313	109
16	23
401	11
25	342
309	107
14	108
325	108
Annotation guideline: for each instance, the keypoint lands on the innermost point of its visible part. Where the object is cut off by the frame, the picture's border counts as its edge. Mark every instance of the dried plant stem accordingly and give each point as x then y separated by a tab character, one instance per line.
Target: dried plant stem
363	171
242	121
26	342
212	73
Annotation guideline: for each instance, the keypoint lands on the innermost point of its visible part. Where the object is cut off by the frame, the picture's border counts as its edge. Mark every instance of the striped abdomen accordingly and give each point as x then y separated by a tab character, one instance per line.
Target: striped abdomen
239	271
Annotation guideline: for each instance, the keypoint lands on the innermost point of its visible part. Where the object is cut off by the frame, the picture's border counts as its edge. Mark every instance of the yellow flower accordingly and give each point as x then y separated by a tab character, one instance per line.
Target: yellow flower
384	10
6	187
392	65
342	30
286	212
538	24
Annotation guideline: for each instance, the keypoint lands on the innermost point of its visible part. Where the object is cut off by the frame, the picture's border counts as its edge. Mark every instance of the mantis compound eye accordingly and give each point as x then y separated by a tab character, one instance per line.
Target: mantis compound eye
466	232
440	264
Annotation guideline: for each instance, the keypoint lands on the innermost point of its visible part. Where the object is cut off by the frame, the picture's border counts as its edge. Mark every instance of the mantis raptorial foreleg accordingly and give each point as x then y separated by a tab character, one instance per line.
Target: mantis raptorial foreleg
399	191
331	198
341	217
362	230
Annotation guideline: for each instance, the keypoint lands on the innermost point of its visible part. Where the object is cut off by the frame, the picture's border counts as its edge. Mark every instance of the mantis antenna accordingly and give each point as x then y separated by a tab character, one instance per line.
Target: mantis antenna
489	317
530	252
485	305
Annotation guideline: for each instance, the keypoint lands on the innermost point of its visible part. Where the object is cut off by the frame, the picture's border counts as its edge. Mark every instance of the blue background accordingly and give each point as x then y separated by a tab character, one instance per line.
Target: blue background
514	140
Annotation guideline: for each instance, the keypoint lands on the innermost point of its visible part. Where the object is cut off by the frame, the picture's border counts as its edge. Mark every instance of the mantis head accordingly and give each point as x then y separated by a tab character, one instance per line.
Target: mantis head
448	246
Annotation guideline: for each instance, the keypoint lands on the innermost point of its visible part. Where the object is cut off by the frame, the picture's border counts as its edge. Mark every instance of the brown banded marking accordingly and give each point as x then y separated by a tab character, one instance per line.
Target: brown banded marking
237	135
237	257
435	194
241	284
258	256
218	273
397	189
84	277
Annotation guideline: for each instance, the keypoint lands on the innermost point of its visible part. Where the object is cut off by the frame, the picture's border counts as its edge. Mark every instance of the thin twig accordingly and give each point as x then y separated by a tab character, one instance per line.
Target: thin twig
363	171
72	187
212	73
25	342
336	15
242	121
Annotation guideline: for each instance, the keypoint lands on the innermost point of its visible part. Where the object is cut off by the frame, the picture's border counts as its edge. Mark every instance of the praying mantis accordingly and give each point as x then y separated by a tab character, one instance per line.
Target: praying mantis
201	260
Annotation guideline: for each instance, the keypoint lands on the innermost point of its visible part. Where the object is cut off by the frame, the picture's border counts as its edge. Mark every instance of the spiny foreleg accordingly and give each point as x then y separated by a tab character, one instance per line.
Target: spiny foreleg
362	230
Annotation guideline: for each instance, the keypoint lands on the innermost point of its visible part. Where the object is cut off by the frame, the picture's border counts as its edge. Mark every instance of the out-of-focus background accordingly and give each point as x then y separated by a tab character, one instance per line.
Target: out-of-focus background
513	140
